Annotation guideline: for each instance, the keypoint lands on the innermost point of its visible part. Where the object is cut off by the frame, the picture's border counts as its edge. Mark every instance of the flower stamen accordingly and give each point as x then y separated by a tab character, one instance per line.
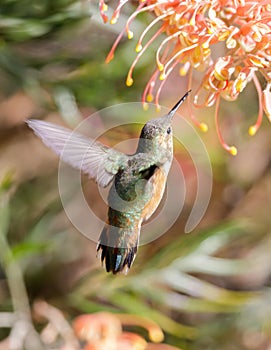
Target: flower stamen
103	8
139	10
179	53
129	80
148	91
147	95
161	86
267	101
231	149
202	126
139	43
159	63
116	13
254	128
110	55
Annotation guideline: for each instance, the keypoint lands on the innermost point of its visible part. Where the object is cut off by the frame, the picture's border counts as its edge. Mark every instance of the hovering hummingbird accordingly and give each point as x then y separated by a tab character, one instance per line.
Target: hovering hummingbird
139	180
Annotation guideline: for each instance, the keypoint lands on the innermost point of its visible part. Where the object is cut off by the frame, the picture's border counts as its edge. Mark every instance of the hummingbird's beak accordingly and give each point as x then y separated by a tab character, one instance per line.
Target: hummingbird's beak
175	108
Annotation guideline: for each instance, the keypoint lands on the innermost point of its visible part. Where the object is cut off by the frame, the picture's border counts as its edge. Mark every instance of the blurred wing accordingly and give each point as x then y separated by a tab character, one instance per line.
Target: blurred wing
98	161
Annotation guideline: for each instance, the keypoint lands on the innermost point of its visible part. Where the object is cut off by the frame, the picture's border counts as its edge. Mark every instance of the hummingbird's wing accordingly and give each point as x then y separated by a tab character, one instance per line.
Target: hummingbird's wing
145	163
100	162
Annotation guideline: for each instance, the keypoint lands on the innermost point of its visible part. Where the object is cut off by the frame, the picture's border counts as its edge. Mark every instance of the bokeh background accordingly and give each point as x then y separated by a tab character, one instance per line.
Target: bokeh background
209	289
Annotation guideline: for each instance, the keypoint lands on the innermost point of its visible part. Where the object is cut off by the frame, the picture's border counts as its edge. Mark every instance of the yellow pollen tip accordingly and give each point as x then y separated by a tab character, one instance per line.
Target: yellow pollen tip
158	108
203	127
145	106
104	8
129	81
113	20
160	67
183	72
140	344
233	150
156	335
130	34
268	115
252	130
138	47
192	22
149	98
162	76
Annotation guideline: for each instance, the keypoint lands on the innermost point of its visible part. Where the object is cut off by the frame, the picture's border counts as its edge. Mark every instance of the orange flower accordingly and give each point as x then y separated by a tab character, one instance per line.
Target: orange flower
103	330
192	30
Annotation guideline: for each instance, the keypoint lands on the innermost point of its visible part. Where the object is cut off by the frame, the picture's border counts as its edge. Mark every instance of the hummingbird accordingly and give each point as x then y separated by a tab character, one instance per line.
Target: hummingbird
137	181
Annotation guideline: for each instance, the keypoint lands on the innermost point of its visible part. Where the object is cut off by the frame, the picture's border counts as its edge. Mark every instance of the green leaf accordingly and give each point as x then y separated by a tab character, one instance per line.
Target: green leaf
28	249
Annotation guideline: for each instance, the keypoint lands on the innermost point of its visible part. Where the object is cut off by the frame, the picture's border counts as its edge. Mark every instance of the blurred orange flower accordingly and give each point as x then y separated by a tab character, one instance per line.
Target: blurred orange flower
97	331
192	29
103	330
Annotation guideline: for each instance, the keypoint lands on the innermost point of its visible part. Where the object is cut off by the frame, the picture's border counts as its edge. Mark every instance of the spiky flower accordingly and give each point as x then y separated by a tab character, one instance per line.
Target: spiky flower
193	28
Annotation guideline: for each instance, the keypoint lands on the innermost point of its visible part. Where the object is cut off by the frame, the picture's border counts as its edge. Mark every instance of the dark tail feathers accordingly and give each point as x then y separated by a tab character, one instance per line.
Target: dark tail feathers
118	249
117	259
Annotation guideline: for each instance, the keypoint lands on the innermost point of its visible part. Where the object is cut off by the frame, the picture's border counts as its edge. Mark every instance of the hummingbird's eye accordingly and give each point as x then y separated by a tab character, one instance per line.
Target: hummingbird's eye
169	130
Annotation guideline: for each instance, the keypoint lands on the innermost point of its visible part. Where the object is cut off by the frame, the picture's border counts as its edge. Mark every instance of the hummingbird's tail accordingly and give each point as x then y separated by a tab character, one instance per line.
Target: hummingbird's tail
118	247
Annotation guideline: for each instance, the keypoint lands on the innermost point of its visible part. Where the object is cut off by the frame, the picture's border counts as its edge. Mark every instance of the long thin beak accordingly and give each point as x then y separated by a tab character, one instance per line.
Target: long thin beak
175	108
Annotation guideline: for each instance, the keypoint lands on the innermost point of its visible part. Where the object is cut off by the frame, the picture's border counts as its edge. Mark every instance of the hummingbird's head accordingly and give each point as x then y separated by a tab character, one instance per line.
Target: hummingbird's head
158	132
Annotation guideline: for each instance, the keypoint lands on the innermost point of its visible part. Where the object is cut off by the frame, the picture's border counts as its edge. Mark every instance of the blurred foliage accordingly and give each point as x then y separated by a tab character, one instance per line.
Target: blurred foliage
49	45
208	289
172	281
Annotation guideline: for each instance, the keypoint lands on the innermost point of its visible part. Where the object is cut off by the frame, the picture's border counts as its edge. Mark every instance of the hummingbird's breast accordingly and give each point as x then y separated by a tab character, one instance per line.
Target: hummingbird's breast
158	184
136	192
